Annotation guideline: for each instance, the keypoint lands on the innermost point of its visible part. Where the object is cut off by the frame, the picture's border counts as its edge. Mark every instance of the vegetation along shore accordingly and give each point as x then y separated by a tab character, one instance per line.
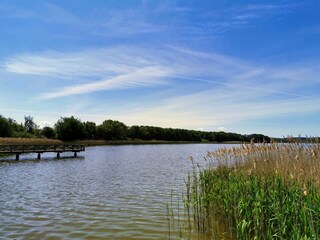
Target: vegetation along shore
264	191
115	132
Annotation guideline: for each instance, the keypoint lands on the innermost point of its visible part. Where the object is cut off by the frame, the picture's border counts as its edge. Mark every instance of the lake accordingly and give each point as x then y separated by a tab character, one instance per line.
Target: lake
108	192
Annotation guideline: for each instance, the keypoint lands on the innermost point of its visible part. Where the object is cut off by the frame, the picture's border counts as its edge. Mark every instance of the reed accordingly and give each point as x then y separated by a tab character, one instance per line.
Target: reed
257	191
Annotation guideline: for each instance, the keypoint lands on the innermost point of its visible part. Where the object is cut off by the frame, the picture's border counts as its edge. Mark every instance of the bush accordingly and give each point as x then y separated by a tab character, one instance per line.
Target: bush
6	129
48	132
69	129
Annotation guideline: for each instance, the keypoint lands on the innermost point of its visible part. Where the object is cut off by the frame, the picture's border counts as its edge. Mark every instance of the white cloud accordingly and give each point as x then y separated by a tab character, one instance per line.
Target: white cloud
213	108
143	77
96	66
244	15
90	63
43	124
116	67
204	90
223	129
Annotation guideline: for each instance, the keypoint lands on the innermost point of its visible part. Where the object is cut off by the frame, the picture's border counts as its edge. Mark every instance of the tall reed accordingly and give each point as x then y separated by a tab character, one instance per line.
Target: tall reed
264	191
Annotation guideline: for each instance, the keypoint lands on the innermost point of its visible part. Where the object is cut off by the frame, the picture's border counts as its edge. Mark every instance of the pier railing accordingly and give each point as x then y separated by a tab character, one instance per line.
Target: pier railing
39	149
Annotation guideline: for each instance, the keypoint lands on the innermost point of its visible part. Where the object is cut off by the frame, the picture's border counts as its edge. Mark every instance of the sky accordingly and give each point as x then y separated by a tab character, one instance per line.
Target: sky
236	66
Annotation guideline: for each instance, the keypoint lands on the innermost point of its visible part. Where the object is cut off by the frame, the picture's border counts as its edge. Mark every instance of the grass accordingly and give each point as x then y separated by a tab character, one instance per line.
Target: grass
265	191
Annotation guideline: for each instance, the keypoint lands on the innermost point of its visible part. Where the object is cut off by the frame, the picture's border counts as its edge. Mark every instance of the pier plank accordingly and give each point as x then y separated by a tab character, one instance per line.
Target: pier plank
39	149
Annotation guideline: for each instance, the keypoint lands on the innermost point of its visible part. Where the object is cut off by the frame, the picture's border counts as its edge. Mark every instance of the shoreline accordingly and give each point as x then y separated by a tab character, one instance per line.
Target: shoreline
88	142
143	142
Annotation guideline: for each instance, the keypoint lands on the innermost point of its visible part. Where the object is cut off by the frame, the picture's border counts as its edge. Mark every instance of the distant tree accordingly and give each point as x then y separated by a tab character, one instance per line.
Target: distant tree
48	132
134	132
90	130
258	138
221	136
112	130
6	129
69	129
29	124
17	127
145	133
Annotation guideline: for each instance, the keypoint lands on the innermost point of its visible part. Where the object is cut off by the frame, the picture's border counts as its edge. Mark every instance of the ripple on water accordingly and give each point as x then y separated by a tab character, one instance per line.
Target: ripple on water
113	192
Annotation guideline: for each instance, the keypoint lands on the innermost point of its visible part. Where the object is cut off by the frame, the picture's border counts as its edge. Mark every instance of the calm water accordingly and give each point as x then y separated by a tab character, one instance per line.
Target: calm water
110	192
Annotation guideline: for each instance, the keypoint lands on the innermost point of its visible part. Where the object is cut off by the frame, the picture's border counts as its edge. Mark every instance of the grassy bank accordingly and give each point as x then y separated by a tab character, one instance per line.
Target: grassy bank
266	191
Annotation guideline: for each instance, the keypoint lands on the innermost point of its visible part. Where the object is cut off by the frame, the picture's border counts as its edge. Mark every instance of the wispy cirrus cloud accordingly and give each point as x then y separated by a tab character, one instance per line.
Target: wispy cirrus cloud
148	76
212	112
95	63
147	19
92	70
244	15
198	89
98	69
88	64
130	22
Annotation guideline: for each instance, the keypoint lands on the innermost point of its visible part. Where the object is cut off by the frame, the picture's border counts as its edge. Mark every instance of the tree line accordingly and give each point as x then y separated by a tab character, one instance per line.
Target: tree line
71	129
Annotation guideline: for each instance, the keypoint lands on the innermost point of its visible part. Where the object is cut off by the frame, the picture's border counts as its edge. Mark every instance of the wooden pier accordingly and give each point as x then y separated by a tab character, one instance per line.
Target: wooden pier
40	149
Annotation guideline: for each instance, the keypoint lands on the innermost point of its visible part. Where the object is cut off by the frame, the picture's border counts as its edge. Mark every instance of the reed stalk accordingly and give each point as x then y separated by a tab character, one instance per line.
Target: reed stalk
257	191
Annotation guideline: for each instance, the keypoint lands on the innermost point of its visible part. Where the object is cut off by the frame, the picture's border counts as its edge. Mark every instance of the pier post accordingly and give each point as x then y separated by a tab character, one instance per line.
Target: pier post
17	150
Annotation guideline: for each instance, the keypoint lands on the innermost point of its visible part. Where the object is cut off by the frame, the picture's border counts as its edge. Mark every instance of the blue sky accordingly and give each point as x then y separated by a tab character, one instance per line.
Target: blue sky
237	66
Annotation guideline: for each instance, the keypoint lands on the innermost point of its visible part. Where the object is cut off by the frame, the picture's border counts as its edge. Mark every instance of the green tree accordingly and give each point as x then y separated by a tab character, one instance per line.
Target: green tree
134	132
69	129
29	124
6	128
258	138
48	132
145	133
16	126
90	130
221	136
112	130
